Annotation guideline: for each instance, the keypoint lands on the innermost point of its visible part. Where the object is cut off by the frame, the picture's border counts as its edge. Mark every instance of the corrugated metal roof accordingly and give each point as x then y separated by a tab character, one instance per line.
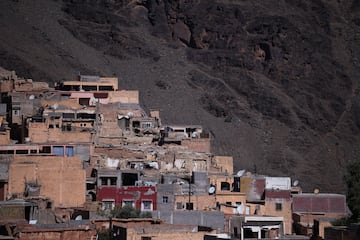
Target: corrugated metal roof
319	203
283	194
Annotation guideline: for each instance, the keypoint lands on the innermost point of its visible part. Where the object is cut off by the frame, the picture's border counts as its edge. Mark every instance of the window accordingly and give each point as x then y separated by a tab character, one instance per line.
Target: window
228	203
179	206
165	199
108	204
130	203
58	150
69	151
146	205
108	181
189	206
145	238
113	181
103	181
21	151
146	125
225	186
278	206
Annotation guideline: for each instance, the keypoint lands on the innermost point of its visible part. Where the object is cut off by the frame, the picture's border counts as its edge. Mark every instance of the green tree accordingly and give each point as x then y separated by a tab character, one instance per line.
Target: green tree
129	212
352	179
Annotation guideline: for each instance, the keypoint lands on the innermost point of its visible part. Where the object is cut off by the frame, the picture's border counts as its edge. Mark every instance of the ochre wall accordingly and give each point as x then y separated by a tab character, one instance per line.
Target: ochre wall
61	178
165	235
39	133
197	144
285	212
124	96
57	235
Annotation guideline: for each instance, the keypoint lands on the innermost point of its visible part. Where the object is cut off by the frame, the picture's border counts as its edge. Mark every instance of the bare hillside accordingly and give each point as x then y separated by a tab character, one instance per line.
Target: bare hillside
275	82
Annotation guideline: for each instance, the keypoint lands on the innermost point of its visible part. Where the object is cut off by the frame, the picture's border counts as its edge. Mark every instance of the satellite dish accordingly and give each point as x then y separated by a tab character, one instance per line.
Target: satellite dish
239	209
212	190
55	106
240	173
316	191
295	183
78	218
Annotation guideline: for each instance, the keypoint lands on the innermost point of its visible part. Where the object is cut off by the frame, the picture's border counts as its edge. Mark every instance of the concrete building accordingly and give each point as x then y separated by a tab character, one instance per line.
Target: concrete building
138	197
257	227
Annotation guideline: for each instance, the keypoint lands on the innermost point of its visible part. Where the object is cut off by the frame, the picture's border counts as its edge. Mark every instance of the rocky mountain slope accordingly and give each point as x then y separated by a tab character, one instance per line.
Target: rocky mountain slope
275	82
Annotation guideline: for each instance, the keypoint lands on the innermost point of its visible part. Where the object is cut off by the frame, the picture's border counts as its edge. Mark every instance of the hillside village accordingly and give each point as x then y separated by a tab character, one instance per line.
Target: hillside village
71	154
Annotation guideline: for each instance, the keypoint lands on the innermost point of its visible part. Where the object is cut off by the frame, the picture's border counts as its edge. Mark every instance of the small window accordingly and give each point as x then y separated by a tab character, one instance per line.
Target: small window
179	205
278	206
228	203
113	181
146	125
45	149
146	205
165	199
225	186
69	151
108	205
22	151
130	203
189	206
103	181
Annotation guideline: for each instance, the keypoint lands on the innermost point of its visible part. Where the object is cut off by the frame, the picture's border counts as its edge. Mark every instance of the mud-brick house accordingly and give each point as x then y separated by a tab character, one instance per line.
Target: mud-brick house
62	119
278	200
123	123
226	195
193	137
308	207
278	203
62	179
147	229
4	128
4	176
89	83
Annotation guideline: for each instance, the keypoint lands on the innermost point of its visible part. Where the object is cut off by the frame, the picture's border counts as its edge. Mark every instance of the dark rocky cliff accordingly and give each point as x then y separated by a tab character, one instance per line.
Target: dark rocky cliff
275	82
